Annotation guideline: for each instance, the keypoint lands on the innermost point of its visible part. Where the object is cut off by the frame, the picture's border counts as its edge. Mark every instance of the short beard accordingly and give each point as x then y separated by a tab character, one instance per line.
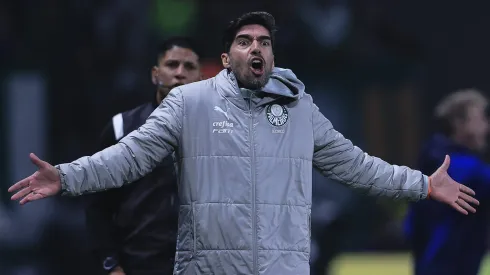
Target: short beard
252	84
256	83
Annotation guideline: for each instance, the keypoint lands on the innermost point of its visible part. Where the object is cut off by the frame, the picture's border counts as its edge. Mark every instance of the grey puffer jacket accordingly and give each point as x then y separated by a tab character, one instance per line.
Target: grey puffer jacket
245	163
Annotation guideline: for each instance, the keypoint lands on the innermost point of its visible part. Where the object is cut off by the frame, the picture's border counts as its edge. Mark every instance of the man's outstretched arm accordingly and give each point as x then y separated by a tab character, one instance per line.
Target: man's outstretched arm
336	157
129	160
132	157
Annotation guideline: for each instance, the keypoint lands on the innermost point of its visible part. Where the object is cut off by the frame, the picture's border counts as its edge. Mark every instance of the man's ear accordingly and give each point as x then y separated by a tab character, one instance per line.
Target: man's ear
154	75
225	60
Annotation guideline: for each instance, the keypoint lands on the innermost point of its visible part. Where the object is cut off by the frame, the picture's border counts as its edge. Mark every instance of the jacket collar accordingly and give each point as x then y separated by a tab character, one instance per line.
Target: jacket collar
282	84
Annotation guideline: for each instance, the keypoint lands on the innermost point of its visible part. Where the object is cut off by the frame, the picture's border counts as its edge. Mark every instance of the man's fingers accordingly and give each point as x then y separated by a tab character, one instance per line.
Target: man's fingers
26	199
31	197
22	193
465	205
37	161
21	184
459	208
466	189
446	163
469	199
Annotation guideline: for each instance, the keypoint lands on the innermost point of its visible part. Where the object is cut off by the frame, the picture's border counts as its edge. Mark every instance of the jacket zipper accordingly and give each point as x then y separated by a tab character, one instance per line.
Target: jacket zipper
252	169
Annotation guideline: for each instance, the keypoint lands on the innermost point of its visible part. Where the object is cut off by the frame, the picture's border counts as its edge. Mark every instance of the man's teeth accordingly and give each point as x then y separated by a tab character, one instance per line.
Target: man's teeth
257	64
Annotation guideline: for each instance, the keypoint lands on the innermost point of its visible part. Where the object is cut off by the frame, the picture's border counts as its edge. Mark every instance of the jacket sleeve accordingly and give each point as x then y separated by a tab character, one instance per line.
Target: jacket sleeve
337	158
136	155
100	209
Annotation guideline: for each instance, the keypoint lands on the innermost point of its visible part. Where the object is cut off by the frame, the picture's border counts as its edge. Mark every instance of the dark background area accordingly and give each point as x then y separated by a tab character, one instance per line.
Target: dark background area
375	68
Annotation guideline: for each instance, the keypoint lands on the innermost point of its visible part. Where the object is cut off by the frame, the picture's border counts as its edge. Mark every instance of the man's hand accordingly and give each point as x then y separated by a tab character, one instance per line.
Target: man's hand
446	190
43	183
117	271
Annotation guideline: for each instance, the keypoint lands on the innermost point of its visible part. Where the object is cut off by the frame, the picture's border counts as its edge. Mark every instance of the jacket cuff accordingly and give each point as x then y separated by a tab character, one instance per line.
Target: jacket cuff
425	188
65	189
64	186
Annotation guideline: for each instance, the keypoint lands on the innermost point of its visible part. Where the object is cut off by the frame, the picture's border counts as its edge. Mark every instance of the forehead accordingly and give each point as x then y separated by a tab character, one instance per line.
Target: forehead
254	30
178	53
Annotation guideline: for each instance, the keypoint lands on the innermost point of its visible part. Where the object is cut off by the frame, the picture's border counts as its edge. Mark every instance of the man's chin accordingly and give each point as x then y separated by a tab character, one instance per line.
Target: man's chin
258	82
170	87
252	82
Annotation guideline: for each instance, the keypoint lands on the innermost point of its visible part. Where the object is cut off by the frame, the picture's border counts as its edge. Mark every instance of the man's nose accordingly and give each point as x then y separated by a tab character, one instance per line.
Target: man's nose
255	47
180	72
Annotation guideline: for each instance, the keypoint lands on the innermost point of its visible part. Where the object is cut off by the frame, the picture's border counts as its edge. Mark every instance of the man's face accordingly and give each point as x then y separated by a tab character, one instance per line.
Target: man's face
177	67
475	127
251	58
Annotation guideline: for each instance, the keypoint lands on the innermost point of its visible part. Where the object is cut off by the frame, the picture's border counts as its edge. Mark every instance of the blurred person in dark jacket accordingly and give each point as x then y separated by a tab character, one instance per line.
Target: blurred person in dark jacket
134	228
444	242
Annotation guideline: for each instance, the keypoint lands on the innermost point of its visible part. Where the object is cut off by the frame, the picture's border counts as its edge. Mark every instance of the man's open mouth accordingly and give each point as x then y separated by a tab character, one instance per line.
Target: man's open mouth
257	66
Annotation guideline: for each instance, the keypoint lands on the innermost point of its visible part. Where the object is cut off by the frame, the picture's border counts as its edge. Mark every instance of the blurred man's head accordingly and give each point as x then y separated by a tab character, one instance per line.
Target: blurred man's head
248	49
177	64
462	116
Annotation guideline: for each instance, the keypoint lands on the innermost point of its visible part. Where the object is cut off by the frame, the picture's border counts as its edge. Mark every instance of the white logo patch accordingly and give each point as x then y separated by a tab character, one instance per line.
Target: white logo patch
225	126
218	109
277	115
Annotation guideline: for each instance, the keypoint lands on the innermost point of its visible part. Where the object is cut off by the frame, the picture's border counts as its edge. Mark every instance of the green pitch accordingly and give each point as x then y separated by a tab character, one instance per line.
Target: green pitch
381	264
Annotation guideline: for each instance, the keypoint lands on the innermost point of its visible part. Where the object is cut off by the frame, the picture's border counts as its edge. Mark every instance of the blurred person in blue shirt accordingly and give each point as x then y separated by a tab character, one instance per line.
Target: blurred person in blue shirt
442	241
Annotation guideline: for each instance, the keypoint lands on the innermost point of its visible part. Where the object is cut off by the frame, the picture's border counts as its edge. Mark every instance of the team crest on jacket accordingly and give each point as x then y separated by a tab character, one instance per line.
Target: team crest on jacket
277	115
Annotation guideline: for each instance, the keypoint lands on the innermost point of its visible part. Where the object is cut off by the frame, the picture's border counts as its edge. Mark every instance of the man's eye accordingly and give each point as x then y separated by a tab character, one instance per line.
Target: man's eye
266	43
242	43
172	64
190	67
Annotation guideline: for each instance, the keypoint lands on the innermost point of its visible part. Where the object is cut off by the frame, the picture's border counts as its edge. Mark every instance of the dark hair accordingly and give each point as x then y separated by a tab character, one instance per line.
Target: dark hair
176	41
257	17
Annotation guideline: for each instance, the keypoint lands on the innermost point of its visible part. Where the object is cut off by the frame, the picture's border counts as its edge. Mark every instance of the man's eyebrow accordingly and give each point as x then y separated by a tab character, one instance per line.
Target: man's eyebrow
170	60
247	36
191	63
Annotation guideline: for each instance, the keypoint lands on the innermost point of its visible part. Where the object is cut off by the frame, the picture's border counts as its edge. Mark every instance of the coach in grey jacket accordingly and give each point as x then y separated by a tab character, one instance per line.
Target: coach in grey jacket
246	141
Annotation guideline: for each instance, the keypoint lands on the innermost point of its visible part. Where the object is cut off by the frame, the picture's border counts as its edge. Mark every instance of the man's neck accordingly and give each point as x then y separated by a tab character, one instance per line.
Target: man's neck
160	95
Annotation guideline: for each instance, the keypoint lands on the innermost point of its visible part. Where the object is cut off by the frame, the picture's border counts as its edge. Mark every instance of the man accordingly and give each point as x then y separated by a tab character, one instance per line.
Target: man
134	228
444	242
246	141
